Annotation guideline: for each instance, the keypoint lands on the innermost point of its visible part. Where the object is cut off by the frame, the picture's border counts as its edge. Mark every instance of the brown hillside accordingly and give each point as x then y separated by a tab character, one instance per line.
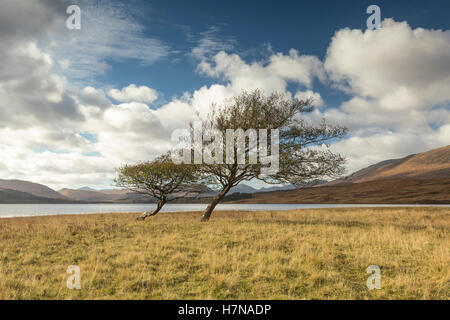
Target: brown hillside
85	195
35	189
116	191
113	196
398	191
433	164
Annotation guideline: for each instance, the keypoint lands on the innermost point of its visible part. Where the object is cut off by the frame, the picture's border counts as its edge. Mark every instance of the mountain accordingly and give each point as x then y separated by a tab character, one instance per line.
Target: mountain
116	191
242	188
398	191
433	164
85	195
86	189
417	178
32	188
14	196
276	188
114	196
245	188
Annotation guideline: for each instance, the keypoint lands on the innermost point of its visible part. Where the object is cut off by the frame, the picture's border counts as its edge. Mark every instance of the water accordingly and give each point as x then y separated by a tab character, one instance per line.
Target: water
24	210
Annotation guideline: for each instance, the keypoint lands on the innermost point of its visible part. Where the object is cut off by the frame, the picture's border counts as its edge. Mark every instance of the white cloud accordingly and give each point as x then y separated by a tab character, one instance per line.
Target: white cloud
30	92
395	68
110	30
94	97
299	68
24	20
134	93
209	43
272	76
56	169
399	80
317	98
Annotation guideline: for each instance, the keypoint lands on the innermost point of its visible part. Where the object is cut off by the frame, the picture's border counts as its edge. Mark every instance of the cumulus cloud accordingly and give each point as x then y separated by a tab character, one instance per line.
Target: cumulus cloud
30	92
94	97
393	68
272	76
134	93
22	20
299	68
399	82
309	94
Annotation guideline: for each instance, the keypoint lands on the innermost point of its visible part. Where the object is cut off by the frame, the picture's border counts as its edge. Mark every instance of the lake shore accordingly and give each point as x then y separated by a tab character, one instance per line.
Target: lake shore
297	254
29	210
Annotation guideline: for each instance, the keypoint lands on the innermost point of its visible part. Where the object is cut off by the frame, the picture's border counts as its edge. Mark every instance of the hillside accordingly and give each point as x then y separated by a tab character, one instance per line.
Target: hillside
115	196
86	195
433	164
8	196
245	188
399	191
418	178
35	189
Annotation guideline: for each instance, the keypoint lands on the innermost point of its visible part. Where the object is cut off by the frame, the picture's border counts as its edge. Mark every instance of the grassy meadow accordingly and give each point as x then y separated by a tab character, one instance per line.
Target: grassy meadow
300	254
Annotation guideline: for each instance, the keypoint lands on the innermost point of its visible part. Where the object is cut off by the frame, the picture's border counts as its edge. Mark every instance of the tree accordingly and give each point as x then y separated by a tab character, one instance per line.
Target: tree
160	178
299	148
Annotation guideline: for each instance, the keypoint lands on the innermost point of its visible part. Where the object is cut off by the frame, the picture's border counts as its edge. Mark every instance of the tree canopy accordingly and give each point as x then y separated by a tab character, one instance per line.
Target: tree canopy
161	179
298	149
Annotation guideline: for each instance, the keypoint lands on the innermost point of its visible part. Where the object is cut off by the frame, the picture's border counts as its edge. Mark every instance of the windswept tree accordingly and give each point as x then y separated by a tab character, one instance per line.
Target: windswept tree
161	179
270	128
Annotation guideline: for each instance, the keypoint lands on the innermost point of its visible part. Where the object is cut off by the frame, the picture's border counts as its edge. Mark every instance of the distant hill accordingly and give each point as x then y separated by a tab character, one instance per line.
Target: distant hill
85	195
13	196
245	188
276	188
417	178
115	191
398	191
433	164
35	189
127	196
86	189
114	196
242	188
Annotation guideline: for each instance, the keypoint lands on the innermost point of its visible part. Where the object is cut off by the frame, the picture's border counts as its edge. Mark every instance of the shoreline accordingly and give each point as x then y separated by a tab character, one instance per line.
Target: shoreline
244	210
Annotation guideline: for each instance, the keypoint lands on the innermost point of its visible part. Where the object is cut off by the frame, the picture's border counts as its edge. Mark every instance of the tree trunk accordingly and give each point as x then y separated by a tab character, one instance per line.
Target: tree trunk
214	203
161	203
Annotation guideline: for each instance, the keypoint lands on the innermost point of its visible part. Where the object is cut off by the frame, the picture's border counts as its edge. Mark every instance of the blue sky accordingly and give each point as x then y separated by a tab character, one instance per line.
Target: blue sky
305	25
250	27
75	104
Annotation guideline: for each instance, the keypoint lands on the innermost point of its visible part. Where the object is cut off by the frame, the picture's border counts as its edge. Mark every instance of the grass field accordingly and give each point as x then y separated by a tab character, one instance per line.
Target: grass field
301	254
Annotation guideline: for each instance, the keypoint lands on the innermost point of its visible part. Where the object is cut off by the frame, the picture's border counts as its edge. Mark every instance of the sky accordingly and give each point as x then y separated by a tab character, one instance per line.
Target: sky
77	103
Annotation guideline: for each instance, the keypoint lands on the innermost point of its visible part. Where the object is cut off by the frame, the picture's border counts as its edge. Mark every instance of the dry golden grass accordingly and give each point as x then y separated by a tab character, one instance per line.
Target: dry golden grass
314	254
